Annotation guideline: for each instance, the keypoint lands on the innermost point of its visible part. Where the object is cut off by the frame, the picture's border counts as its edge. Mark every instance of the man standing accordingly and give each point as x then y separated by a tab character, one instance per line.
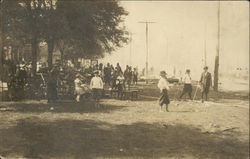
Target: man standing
96	85
52	85
187	85
205	82
135	76
107	74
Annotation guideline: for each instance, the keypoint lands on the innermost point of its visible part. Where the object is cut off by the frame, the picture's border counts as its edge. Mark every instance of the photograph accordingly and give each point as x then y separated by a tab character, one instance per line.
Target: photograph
124	79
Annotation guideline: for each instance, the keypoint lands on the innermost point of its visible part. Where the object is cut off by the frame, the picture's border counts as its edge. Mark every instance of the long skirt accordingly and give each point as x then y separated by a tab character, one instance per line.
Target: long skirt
164	99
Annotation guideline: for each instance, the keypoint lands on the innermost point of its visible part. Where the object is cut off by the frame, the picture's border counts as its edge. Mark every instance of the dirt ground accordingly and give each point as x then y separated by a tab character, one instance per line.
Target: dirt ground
217	129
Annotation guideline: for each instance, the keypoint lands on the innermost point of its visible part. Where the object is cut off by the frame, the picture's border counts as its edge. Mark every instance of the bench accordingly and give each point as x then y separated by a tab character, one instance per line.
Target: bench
130	94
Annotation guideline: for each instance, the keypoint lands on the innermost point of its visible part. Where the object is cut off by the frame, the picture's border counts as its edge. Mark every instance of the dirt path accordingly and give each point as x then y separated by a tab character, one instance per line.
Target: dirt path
125	129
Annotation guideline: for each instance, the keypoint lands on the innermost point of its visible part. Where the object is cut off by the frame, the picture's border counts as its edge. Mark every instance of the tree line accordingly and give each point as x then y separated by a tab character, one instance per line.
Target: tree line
77	28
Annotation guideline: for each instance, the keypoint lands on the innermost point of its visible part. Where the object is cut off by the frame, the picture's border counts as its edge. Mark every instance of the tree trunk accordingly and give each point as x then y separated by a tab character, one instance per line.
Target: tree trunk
50	44
34	46
62	57
216	66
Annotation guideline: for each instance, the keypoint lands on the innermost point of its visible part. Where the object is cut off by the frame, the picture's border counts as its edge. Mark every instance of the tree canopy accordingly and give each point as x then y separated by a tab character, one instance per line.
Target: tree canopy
83	27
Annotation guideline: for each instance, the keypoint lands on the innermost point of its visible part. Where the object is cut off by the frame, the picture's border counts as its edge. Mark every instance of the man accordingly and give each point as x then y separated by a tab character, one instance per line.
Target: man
52	85
107	74
126	76
205	82
135	76
187	85
96	85
119	69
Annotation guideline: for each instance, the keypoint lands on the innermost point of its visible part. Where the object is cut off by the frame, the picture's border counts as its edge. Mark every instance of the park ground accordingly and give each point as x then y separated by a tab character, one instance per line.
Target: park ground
217	129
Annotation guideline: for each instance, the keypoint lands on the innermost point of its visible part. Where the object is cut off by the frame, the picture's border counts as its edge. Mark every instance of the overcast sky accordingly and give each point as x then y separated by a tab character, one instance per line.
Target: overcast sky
178	37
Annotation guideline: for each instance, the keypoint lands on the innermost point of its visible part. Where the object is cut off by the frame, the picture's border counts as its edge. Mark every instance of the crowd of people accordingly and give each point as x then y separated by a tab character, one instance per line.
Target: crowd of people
90	81
112	77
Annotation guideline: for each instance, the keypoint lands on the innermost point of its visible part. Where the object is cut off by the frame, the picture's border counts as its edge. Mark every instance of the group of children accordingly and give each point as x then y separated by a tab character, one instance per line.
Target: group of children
205	83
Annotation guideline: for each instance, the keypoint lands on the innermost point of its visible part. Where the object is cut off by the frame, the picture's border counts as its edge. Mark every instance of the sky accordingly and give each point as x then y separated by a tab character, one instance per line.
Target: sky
183	32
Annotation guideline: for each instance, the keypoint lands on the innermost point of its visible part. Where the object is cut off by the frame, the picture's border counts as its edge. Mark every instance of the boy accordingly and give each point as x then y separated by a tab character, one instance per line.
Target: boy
96	85
163	86
187	85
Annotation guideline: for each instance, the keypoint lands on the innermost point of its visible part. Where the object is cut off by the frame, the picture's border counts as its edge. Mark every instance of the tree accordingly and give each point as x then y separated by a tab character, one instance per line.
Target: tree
89	28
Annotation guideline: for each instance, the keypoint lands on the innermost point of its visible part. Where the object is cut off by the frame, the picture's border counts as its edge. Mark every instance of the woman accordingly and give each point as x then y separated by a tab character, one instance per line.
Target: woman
164	87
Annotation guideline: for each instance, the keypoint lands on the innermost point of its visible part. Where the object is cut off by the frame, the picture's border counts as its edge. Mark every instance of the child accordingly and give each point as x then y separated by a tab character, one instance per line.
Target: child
78	88
119	85
96	85
187	85
163	86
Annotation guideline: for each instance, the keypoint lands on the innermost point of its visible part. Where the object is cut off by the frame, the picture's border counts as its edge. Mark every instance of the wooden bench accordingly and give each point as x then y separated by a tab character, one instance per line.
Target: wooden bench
129	94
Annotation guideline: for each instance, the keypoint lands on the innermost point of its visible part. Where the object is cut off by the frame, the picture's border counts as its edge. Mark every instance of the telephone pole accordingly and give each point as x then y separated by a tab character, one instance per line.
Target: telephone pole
146	22
205	47
1	46
216	65
130	47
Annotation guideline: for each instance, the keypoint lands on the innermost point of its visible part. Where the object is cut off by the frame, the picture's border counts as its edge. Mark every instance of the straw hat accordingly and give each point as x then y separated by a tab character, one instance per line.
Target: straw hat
163	73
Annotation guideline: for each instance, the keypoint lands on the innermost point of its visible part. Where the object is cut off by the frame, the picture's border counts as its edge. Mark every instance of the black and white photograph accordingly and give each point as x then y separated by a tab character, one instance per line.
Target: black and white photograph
124	79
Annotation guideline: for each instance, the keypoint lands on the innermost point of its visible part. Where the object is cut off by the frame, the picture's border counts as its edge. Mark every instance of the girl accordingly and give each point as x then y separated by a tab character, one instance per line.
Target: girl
164	87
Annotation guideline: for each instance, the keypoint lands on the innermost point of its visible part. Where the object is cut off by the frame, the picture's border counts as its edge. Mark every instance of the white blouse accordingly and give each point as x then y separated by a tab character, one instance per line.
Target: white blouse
163	84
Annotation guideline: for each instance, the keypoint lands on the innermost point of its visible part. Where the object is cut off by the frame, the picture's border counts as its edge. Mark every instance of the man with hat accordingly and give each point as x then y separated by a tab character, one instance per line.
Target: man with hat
205	82
187	85
96	85
164	87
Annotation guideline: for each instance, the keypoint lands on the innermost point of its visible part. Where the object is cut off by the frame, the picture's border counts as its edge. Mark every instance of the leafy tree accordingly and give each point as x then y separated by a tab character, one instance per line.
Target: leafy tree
88	28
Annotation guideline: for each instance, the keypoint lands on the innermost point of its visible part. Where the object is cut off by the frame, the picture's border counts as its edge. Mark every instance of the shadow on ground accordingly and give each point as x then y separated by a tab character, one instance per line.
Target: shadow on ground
36	138
61	107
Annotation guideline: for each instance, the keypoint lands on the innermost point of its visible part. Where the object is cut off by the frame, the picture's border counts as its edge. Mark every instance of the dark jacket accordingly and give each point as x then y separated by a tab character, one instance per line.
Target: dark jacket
206	79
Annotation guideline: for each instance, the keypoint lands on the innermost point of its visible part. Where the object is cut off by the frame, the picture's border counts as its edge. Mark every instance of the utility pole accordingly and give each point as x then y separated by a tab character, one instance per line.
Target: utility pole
146	22
130	47
216	65
167	51
205	47
1	46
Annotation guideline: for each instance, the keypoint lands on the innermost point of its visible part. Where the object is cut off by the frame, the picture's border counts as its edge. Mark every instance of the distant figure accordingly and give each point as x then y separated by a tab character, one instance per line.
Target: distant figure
127	76
52	85
78	88
135	76
107	74
119	69
119	85
205	82
96	85
164	87
187	85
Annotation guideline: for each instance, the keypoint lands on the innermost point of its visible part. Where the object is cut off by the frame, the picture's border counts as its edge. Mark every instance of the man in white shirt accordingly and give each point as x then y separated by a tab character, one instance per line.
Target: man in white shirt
96	85
164	87
187	85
